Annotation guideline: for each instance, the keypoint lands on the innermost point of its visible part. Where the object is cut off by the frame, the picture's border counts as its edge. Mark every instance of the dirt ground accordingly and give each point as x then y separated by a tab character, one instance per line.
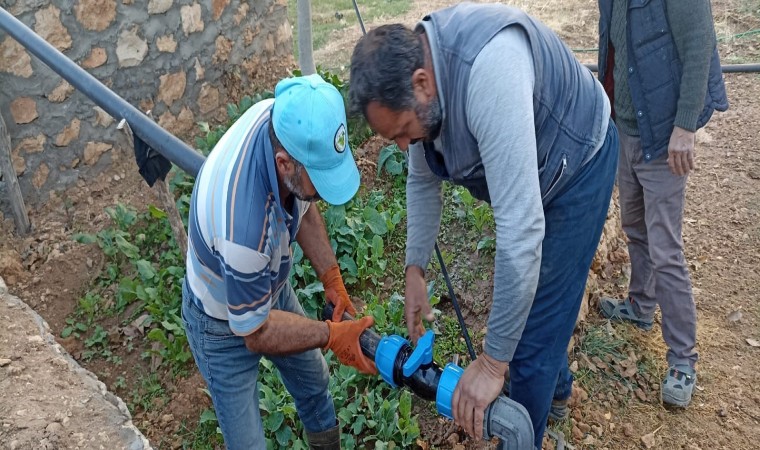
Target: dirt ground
49	401
49	271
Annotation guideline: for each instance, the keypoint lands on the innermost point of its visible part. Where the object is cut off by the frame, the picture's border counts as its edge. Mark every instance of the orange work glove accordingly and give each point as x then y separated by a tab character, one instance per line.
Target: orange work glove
336	293
344	342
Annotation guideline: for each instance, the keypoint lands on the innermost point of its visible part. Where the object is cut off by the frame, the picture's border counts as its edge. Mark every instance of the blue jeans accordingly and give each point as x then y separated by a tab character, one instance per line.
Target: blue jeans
574	221
231	373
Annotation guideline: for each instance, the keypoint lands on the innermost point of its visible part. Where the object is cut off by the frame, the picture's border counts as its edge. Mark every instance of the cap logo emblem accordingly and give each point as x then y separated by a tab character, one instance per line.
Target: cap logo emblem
340	139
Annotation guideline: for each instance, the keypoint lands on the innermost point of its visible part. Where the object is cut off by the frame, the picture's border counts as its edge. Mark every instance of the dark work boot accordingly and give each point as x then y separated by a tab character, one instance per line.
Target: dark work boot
325	440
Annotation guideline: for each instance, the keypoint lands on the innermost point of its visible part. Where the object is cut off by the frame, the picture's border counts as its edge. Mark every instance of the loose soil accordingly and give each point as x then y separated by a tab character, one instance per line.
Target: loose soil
50	272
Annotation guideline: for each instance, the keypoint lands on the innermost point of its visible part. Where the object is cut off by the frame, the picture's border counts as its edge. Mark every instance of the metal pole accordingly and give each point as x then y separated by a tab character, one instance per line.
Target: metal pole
161	140
20	217
359	17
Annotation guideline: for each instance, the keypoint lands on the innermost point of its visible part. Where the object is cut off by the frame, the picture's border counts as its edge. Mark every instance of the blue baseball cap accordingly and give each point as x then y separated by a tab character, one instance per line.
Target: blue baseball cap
309	119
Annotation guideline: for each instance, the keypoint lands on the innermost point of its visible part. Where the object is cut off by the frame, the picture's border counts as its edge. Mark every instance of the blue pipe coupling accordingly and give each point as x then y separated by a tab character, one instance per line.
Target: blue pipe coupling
446	386
385	356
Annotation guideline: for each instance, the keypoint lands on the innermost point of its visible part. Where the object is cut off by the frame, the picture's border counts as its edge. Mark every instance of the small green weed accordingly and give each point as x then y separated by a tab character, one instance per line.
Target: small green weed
149	392
120	383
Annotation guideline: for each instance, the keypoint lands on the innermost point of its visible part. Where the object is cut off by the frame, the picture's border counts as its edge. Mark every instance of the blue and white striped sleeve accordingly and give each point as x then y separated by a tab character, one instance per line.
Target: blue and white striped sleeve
247	285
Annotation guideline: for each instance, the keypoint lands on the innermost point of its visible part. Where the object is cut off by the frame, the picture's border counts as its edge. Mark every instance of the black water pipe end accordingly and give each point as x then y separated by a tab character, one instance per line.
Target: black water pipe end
423	382
368	340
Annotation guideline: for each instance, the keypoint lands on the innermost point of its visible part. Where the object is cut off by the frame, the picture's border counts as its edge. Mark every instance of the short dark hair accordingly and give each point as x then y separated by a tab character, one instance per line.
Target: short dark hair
277	145
382	66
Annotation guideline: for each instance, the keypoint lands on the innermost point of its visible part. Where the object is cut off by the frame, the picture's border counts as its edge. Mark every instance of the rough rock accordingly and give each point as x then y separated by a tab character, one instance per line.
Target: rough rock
14	59
24	110
48	25
130	48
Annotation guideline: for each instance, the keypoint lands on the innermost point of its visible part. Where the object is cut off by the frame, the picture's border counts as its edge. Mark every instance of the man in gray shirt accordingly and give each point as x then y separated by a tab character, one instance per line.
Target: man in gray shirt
487	97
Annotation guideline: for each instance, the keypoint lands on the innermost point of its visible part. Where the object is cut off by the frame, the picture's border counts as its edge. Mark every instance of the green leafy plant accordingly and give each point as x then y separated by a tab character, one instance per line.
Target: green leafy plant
392	159
120	383
73	328
135	247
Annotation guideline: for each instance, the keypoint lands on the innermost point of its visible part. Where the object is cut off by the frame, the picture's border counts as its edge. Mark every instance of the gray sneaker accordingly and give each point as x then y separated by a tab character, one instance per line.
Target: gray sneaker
622	310
678	385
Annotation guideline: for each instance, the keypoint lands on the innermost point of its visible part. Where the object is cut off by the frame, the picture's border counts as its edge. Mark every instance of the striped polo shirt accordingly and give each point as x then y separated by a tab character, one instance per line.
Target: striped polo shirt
239	234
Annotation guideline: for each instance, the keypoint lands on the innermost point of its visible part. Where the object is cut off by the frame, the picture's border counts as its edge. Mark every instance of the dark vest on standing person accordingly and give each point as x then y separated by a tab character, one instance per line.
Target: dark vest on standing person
654	72
567	107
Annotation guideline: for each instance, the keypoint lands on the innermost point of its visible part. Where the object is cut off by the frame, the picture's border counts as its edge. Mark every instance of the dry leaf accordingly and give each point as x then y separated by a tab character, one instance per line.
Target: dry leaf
587	362
628	363
598	362
589	440
141	322
753	342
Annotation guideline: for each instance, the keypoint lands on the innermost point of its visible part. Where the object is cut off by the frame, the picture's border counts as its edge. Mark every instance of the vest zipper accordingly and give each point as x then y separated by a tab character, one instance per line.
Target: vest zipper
557	177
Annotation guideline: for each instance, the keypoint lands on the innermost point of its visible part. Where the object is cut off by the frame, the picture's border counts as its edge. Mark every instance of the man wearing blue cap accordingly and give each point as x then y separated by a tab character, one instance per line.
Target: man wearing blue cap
252	198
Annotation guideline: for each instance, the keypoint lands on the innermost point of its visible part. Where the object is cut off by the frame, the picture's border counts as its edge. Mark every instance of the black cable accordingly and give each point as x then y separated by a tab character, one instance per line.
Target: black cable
454	302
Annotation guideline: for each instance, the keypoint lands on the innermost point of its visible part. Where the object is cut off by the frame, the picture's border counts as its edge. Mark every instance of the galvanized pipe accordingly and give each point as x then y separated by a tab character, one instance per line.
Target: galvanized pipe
159	139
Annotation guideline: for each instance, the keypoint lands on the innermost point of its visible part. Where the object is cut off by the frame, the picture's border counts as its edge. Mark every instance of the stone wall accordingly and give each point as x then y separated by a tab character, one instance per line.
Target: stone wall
182	59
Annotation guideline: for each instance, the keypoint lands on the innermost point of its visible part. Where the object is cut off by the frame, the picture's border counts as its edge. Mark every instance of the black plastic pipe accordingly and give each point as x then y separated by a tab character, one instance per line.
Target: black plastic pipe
423	382
159	139
725	68
503	418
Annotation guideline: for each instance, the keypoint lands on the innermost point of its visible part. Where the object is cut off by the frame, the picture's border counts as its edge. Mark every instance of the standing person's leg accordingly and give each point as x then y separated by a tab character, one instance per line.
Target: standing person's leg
306	377
562	393
231	373
641	303
574	222
664	196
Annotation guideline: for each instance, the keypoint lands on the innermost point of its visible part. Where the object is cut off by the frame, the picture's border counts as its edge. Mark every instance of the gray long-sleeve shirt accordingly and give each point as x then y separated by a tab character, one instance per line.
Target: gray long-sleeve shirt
500	117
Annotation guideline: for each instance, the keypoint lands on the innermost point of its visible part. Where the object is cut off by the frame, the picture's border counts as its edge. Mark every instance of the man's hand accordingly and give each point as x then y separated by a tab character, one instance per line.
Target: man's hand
681	151
416	305
344	342
335	292
480	384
